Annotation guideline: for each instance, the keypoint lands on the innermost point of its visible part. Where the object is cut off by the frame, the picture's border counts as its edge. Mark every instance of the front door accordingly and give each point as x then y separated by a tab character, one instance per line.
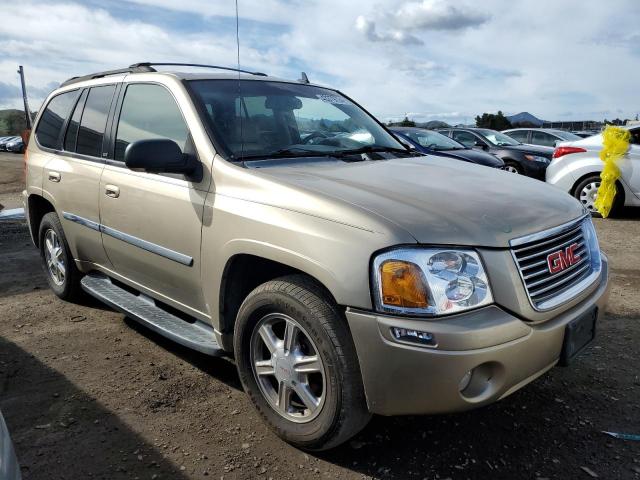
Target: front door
151	223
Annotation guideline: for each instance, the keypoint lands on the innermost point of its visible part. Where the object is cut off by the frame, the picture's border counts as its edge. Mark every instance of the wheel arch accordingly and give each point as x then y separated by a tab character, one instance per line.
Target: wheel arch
242	273
620	186
38	207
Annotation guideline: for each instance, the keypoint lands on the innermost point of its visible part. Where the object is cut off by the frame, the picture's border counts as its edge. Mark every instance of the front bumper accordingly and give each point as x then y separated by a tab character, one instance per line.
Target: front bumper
534	169
504	352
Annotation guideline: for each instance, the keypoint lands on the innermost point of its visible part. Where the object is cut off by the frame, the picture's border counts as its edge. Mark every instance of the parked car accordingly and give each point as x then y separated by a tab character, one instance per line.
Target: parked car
9	468
4	141
346	277
576	168
15	145
526	160
433	143
546	137
585	133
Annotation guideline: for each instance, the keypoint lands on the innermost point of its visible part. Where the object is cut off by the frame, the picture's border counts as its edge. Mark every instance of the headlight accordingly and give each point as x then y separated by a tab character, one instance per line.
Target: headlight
537	158
429	281
591	239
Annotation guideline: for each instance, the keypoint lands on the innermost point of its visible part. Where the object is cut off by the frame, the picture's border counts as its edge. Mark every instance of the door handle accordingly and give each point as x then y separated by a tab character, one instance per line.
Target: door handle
111	191
54	176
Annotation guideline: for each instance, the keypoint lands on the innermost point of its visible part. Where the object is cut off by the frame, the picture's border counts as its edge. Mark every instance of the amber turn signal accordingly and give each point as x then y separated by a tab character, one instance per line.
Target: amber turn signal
402	285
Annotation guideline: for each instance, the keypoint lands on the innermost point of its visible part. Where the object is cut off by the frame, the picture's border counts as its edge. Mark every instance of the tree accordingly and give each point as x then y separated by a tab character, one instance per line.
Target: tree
493	121
407	123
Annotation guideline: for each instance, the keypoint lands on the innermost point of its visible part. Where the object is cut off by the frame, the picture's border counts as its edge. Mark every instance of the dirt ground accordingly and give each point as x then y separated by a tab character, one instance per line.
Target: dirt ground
88	394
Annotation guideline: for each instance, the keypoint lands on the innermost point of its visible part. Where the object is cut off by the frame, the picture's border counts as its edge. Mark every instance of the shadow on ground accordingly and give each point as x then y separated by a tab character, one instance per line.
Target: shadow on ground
79	433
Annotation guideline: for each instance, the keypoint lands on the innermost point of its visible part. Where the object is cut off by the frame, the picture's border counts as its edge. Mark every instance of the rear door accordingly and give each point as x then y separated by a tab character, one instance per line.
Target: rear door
152	223
543	139
72	131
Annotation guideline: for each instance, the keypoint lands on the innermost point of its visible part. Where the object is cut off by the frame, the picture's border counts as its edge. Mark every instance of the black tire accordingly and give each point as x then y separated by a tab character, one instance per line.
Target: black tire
618	201
344	412
514	166
69	288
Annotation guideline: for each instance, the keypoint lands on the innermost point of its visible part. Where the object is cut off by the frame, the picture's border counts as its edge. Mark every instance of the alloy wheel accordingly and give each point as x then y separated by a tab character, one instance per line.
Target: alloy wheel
588	195
511	169
53	257
288	368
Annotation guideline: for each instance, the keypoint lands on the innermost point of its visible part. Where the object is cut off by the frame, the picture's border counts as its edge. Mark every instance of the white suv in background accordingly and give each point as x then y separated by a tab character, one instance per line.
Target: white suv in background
576	168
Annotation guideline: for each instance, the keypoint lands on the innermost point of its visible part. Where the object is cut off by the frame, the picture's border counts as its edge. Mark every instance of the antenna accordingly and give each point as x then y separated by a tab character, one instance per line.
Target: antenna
239	96
27	112
303	78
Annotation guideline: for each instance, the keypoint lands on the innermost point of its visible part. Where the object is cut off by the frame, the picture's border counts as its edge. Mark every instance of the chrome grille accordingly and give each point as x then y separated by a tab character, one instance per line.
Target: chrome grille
530	254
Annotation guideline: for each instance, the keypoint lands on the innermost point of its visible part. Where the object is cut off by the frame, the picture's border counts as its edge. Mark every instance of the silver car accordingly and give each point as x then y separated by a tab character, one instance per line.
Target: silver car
546	137
576	168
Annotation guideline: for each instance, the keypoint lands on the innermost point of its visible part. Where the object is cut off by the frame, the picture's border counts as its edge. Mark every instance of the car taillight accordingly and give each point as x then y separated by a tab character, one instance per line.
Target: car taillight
562	151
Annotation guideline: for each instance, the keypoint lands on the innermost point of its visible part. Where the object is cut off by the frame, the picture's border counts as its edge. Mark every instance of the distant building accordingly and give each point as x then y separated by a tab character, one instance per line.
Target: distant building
575	125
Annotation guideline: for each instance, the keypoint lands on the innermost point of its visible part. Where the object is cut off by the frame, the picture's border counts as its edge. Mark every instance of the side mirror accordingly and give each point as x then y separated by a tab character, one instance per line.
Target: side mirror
158	155
479	144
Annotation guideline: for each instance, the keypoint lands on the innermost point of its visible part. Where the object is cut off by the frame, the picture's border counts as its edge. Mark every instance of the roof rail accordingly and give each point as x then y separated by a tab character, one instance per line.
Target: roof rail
151	64
137	68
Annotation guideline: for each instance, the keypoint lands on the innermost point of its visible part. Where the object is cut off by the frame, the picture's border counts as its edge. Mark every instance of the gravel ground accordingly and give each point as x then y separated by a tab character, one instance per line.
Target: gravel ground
88	394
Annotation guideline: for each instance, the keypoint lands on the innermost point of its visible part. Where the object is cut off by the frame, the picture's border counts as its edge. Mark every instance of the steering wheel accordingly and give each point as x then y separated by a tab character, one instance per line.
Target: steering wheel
313	136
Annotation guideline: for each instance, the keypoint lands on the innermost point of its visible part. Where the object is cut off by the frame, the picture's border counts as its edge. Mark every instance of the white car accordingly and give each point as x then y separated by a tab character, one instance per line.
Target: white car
576	168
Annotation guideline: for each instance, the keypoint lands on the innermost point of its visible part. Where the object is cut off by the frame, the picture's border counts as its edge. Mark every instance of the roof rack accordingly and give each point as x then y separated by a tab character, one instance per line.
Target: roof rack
148	67
217	67
132	69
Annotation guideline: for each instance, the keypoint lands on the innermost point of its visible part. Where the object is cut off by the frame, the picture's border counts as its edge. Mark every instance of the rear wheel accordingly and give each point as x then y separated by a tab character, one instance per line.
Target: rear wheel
297	363
62	275
586	192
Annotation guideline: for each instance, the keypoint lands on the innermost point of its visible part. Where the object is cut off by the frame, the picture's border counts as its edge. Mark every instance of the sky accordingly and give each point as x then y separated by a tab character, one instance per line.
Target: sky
428	59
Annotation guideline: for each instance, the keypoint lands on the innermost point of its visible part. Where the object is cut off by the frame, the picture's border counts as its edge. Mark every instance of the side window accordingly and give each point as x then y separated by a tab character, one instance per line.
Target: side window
53	118
519	135
94	120
74	125
541	138
465	138
149	111
635	136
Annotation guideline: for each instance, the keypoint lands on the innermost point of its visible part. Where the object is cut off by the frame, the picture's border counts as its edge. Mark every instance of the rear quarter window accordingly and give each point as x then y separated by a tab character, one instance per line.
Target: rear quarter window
53	118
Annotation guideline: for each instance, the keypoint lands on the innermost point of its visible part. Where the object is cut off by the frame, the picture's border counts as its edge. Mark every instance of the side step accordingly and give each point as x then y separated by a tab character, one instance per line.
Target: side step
143	309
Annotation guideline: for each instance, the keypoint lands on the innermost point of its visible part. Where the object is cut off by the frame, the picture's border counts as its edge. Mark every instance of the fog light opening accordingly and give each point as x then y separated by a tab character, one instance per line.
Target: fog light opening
413	336
466	380
481	382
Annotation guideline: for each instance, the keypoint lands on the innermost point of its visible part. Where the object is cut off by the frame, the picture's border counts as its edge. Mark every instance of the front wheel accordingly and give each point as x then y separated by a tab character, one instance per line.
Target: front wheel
297	363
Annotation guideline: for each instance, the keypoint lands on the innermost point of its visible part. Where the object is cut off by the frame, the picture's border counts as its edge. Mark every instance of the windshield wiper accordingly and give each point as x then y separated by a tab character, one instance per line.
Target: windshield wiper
368	149
289	152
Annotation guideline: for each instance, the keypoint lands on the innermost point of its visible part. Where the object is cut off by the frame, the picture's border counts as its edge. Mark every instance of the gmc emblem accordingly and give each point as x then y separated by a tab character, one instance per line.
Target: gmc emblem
562	259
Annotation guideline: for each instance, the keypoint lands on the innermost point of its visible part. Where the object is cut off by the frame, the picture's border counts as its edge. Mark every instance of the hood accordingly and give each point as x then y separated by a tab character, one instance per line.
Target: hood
532	149
435	200
475	156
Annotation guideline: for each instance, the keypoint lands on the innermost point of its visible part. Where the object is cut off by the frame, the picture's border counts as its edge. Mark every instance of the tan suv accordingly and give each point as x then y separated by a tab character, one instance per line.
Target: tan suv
279	222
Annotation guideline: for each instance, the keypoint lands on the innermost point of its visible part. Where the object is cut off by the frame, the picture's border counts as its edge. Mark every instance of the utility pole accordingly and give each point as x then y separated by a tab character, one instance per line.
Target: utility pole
27	112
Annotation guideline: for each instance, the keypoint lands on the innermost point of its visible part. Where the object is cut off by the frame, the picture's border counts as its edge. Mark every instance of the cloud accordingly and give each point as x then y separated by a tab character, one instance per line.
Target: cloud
438	15
433	58
368	28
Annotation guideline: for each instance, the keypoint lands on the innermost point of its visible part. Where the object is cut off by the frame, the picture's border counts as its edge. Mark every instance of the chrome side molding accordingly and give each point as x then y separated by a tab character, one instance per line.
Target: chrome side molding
178	257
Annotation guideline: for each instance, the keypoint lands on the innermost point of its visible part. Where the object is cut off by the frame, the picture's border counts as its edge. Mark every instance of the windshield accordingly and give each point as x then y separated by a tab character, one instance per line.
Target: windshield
432	140
497	138
262	119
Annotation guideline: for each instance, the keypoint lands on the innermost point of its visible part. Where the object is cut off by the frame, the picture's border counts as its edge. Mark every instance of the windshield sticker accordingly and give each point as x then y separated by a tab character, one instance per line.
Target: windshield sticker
335	99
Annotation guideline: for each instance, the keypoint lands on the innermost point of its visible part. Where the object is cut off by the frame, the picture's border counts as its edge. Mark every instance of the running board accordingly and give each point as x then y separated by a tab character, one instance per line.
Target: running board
196	335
